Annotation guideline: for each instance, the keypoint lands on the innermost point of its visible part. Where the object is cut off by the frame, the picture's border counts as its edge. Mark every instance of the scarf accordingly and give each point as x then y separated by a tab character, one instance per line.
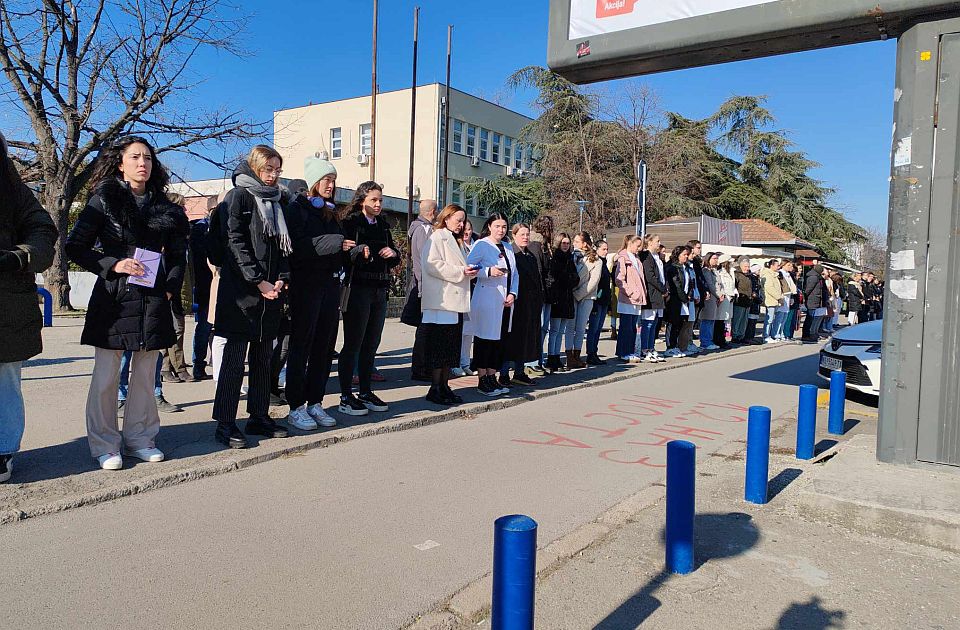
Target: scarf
268	205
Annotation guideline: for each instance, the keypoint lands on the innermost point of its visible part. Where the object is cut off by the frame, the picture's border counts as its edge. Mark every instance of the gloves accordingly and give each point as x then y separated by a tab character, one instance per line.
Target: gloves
9	261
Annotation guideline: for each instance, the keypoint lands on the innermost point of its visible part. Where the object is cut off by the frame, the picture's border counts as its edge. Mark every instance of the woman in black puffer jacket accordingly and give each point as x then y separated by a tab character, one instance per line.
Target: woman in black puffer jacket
129	211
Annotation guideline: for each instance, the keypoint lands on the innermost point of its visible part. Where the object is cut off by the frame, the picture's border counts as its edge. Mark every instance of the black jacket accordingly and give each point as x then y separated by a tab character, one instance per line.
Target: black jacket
28	232
814	289
318	256
744	290
373	271
250	257
562	279
202	276
120	315
678	297
657	291
605	288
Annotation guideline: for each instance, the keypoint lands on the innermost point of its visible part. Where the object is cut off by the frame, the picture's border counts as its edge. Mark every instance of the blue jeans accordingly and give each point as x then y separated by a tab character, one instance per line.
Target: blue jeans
557	328
578	329
125	376
706	333
779	321
768	327
648	335
201	340
627	335
11	408
597	316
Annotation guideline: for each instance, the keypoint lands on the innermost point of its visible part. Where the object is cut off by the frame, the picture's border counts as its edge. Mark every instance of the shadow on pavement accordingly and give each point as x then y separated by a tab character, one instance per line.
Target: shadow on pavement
33	363
810	616
799	371
824	445
780	482
716	536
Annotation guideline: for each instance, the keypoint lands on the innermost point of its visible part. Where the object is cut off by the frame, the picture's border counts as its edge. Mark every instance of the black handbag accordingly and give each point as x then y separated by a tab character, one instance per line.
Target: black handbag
345	289
411	314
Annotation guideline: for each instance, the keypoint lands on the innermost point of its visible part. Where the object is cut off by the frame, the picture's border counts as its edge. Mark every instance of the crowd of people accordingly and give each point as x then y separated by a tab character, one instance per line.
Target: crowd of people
274	269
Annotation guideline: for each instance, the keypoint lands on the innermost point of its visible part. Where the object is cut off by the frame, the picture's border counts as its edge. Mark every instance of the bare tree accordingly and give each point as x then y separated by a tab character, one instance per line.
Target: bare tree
875	250
84	72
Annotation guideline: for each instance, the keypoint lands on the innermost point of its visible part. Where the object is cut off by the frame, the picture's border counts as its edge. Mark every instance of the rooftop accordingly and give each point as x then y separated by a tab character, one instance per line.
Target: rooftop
760	231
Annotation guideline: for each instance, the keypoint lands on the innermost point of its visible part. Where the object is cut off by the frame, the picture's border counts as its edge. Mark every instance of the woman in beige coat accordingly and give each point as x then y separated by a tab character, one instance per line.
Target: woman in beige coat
444	298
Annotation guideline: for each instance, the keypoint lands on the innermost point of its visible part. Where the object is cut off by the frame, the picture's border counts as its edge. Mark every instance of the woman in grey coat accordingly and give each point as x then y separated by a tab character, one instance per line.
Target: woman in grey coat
27	238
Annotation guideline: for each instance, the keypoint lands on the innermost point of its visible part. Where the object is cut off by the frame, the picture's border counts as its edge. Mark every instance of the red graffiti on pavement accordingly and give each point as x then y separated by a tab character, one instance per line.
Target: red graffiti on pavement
639	421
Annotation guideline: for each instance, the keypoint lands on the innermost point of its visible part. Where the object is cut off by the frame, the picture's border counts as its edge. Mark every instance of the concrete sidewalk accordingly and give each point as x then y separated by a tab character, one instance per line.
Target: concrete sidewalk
54	470
785	565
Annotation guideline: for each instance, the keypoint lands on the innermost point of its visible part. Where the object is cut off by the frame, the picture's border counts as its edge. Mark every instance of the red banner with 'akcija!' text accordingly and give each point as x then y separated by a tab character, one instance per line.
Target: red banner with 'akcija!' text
609	8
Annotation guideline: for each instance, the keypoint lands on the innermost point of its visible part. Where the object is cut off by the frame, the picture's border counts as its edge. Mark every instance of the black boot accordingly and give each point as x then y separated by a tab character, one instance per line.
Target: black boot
229	434
435	395
450	396
265	426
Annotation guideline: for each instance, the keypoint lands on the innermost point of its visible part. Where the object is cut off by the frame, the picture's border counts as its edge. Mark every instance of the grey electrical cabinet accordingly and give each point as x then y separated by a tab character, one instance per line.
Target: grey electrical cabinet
920	392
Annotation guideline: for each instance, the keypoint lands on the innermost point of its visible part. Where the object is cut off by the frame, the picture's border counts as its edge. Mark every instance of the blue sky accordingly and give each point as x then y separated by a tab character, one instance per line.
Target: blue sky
837	104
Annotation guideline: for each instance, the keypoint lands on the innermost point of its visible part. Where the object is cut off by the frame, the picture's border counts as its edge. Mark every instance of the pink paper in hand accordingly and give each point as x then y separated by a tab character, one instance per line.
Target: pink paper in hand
151	267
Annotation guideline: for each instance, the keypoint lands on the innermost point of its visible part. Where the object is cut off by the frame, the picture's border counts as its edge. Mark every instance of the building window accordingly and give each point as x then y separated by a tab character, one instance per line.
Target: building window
471	140
443	136
365	137
456	196
484	144
508	151
336	143
470	205
497	142
518	157
457	136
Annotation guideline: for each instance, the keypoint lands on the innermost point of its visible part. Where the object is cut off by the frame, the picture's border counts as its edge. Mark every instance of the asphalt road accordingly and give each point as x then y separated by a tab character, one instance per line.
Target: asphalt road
369	533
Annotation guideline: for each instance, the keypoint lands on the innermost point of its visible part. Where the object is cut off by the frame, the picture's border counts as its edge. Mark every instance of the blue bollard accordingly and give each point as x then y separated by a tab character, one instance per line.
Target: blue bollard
807	421
838	399
47	306
514	572
681	490
758	455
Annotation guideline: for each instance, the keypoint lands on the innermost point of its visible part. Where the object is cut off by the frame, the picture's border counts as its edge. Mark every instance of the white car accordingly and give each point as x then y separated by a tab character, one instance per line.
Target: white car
856	351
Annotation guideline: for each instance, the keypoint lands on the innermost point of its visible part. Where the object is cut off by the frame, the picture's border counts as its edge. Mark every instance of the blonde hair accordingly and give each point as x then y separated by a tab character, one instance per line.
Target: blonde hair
260	155
176	198
629	238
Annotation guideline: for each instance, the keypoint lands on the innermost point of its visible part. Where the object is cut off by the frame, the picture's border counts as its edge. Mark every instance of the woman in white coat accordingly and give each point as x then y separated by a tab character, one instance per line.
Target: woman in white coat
444	298
491	307
726	293
589	268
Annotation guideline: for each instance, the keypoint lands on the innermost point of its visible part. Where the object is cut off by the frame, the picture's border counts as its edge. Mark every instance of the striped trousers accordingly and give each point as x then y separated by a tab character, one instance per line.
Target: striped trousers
231	378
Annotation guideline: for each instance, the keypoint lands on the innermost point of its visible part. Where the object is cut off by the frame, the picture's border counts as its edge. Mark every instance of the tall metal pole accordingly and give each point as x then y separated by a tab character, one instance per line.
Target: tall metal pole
373	96
642	198
444	182
413	119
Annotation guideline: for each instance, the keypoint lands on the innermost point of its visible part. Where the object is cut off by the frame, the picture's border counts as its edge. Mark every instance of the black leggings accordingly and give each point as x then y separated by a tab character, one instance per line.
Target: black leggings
362	329
315	317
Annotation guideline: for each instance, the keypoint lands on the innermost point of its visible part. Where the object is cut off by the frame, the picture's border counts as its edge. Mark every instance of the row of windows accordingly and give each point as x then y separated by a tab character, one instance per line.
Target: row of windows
493	147
336	141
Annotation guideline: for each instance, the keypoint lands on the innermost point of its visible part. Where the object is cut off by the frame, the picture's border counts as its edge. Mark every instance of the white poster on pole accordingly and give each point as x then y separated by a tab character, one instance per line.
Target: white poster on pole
598	17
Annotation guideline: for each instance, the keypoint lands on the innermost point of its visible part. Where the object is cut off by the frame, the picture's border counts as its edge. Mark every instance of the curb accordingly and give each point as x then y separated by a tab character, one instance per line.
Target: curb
306	443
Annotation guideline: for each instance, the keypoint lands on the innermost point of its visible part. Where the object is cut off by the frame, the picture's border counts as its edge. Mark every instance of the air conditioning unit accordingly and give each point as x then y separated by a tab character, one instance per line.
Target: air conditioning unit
474	161
363	159
510	171
416	191
323	155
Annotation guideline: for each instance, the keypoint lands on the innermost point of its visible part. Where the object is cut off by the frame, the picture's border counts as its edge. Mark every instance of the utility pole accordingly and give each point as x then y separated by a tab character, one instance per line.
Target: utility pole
413	120
444	182
373	96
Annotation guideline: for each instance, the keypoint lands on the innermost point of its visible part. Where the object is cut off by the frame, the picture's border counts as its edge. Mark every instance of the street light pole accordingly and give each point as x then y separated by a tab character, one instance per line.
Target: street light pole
641	198
581	205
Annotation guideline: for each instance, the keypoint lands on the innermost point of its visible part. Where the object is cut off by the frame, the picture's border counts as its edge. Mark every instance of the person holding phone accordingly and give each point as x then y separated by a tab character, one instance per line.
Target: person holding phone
128	210
255	271
372	261
445	297
491	308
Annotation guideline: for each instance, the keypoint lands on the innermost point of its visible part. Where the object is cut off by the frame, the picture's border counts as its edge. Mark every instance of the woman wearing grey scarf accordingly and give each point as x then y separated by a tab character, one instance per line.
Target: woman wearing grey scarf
253	236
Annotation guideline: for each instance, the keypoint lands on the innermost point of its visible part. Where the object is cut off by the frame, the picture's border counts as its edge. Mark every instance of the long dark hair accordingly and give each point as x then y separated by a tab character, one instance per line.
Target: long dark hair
356	204
544	225
494	216
111	156
557	250
679	249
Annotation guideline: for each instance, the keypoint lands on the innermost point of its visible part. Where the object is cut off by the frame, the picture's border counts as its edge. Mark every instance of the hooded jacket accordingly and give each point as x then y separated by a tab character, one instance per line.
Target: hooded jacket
28	231
120	315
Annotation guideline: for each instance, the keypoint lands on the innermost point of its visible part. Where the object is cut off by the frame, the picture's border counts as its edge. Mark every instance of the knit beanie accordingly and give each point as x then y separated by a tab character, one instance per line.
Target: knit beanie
315	169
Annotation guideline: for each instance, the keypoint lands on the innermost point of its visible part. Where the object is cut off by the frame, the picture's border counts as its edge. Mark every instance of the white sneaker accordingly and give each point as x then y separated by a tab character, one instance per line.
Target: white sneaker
672	353
713	346
457	372
301	419
152	455
649	358
318	413
468	371
658	357
110	461
769	340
